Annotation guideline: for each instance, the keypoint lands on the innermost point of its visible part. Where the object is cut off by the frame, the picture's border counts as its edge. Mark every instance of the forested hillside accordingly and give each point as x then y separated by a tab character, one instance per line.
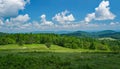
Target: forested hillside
61	40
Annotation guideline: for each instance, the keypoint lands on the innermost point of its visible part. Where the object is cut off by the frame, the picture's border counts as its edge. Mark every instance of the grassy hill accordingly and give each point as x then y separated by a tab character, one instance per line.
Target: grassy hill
41	48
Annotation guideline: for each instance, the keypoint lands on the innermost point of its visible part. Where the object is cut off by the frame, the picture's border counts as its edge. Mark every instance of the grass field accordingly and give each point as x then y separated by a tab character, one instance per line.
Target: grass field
107	38
38	56
42	48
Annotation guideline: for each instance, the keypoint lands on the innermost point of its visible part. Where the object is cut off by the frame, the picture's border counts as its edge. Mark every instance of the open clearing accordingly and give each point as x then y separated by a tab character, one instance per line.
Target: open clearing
42	48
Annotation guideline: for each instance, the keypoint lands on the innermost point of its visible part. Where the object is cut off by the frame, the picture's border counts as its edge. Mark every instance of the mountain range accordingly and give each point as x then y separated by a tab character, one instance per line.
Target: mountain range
98	34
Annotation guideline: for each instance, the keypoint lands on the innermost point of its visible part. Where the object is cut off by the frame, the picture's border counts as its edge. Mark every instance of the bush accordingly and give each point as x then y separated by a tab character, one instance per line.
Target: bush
74	46
20	43
48	45
92	46
67	45
100	46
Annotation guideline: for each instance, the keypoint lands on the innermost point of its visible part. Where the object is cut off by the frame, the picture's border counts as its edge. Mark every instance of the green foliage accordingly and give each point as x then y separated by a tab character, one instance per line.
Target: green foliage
50	60
92	46
64	41
20	43
48	44
74	45
6	40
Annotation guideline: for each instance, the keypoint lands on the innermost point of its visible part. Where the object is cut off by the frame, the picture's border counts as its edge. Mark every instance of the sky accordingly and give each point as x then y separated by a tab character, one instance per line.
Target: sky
59	15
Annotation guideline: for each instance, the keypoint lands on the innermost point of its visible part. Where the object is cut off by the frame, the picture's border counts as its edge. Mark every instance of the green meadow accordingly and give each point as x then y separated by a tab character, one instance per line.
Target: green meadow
38	56
41	48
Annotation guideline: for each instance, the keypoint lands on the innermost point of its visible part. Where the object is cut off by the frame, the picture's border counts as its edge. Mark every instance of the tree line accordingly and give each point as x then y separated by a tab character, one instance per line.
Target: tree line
61	40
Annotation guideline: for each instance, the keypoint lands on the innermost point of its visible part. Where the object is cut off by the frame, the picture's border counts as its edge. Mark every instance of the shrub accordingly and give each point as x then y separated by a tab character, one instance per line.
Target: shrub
48	45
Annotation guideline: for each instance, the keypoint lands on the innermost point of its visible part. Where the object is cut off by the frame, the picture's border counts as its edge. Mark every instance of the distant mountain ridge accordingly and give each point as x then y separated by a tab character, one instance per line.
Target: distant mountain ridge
55	32
1	33
105	32
99	34
78	34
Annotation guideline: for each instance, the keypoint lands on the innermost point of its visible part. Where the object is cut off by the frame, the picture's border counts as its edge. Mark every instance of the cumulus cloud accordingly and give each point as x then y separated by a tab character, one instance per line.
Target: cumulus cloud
10	8
102	12
63	17
89	17
17	22
20	18
44	21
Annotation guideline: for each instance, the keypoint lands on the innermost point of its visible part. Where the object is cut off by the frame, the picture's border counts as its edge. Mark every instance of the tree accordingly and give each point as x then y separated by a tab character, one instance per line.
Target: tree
19	39
6	40
68	45
86	45
100	46
92	46
21	43
48	44
74	45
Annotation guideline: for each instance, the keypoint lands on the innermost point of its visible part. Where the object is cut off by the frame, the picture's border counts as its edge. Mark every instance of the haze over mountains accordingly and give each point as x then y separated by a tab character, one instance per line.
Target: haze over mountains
55	32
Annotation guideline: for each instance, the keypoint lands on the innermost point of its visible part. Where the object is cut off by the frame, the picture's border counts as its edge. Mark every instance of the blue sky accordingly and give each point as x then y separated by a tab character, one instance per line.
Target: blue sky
57	15
77	7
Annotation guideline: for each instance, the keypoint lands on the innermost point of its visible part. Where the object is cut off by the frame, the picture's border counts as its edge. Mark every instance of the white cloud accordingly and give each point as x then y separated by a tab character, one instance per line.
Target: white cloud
101	13
44	21
64	17
114	23
10	8
17	22
20	18
1	22
89	17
